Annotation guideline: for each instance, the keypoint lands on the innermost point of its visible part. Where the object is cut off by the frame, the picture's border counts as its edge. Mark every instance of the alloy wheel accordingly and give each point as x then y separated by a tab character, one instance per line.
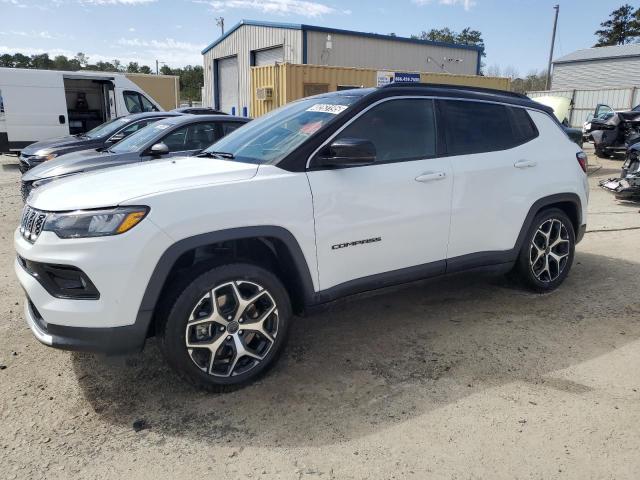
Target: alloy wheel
549	251
232	328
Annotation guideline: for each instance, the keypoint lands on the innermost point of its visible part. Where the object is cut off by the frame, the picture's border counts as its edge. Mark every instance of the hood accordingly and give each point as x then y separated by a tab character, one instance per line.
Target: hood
60	143
561	106
114	186
74	162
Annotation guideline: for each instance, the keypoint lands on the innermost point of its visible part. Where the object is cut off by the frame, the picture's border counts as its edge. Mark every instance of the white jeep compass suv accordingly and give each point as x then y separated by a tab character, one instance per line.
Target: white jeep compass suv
326	197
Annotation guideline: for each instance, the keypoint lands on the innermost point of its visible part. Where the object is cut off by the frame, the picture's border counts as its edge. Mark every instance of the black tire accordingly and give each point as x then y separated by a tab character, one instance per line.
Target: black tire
600	153
557	270
188	294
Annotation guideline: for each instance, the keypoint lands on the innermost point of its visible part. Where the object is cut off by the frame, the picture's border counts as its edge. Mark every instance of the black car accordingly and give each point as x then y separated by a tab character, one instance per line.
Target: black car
198	111
181	135
102	136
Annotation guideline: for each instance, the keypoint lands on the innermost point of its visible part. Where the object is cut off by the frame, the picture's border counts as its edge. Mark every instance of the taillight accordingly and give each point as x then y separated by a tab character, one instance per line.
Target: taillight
582	160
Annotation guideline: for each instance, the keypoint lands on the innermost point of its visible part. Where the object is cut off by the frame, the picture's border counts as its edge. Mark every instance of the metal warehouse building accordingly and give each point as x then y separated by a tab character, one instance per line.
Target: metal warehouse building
600	67
228	60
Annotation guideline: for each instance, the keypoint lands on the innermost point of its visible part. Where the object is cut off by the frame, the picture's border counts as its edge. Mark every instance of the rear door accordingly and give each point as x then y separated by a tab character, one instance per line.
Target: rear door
35	106
393	214
497	168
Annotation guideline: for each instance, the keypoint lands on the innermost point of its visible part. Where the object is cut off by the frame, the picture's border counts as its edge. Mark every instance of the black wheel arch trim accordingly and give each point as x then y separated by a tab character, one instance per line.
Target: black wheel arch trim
174	252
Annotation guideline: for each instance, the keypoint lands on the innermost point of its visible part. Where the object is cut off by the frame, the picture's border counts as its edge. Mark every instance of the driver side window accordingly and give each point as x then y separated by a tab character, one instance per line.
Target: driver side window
399	129
136	102
192	137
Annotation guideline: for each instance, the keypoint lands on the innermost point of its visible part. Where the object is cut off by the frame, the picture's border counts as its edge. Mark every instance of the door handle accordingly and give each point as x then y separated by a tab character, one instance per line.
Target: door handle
525	164
431	177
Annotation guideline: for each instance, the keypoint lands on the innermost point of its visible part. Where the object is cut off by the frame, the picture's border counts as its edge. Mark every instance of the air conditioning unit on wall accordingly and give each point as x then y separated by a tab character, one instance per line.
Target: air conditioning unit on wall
264	93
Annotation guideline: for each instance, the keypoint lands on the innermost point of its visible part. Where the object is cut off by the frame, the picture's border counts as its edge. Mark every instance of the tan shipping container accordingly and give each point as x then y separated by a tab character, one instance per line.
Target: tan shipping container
165	89
288	82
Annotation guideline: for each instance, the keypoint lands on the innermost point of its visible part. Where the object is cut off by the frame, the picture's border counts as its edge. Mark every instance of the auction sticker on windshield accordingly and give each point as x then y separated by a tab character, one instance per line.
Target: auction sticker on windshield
328	108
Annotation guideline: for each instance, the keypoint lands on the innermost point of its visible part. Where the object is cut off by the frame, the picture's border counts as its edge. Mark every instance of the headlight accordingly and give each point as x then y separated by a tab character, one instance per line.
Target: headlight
587	126
94	223
45	155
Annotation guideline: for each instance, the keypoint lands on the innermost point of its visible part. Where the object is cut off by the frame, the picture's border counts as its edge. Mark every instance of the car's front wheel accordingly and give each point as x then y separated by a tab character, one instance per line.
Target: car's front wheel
547	253
226	327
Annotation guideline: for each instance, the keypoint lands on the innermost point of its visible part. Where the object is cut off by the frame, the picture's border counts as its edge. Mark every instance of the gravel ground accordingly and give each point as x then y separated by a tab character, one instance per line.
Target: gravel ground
465	377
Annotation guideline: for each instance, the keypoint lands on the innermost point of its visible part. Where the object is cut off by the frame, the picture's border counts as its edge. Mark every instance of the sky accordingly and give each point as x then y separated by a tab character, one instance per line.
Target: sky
516	32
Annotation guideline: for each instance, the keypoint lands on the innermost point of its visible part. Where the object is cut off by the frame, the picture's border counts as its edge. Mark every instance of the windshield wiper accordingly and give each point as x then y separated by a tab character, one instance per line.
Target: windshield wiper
226	155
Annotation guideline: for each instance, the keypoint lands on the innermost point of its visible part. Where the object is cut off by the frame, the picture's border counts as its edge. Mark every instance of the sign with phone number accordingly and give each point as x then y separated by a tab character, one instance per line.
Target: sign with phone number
385	78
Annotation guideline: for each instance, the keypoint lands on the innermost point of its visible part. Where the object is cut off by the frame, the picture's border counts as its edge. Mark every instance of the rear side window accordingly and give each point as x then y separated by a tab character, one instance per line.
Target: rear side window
523	127
476	127
399	129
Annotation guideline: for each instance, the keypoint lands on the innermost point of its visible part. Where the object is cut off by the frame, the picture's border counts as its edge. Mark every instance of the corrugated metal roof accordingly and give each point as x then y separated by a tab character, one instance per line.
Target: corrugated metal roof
313	28
601	53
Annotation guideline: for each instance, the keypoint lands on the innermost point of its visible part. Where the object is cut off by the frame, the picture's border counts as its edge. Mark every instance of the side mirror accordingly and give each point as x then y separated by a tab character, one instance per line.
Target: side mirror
117	137
347	152
159	149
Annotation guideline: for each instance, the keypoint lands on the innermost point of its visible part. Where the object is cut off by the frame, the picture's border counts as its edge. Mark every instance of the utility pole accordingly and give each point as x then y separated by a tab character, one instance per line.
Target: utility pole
158	65
220	23
553	43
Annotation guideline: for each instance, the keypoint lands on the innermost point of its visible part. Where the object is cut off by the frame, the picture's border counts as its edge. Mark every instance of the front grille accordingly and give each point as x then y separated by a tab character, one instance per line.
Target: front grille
32	223
25	189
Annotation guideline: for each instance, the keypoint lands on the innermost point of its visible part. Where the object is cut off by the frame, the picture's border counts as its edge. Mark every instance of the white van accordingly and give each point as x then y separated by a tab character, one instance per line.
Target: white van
40	104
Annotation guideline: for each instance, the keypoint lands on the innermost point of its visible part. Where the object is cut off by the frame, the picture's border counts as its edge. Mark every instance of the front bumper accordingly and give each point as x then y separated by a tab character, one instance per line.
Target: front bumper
109	341
120	268
28	162
622	188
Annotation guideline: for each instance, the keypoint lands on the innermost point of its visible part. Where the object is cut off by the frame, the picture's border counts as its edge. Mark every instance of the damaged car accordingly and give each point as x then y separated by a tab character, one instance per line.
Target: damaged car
627	187
613	132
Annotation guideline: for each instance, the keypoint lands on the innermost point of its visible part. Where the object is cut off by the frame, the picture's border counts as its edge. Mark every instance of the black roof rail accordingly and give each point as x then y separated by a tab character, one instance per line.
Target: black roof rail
443	86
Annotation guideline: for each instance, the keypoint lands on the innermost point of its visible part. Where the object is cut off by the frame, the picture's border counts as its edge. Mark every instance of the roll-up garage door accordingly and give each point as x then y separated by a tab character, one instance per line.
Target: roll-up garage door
228	84
269	56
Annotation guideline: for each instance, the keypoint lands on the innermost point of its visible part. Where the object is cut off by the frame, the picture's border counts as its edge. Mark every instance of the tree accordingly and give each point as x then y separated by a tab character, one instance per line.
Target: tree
532	82
465	37
622	27
166	70
471	37
145	69
82	59
443	35
61	62
21	61
6	60
133	67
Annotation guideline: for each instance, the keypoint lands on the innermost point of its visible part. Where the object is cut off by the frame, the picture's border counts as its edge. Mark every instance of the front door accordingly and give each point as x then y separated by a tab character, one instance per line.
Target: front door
188	140
392	214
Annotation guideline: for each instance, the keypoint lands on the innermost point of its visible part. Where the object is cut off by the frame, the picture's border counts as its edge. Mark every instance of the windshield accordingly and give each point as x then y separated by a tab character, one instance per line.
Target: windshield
107	129
272	137
137	140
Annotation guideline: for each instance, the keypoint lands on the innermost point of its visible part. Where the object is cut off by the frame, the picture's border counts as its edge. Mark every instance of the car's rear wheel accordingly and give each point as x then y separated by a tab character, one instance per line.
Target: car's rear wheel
547	253
226	327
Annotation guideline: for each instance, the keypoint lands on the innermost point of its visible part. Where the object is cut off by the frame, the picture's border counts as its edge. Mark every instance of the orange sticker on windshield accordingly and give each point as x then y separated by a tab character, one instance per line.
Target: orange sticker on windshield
310	128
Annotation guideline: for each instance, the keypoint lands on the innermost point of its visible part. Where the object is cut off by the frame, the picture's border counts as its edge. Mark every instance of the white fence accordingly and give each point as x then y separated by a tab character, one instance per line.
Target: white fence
584	101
